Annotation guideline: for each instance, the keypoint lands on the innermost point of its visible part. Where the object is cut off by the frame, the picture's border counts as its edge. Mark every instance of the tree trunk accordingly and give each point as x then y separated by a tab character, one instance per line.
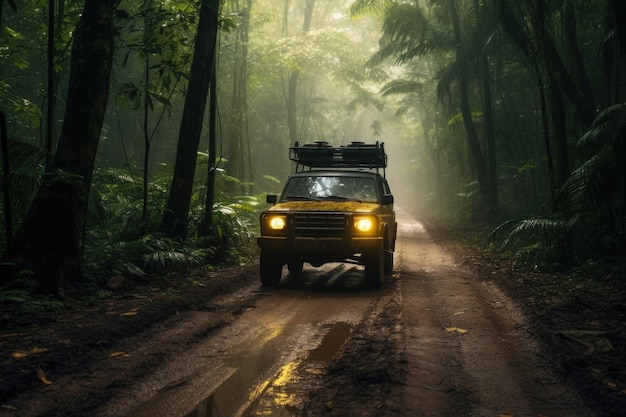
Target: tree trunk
550	73
6	180
489	129
578	71
562	77
176	215
48	241
471	135
617	61
237	116
490	139
292	88
50	96
205	228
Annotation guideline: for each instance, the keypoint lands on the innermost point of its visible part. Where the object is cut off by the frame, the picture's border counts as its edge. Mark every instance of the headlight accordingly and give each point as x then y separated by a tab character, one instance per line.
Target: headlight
366	225
277	223
274	223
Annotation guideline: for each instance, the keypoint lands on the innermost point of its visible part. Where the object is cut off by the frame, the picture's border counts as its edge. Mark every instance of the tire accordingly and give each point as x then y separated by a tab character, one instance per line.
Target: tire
295	266
374	273
388	254
388	262
270	268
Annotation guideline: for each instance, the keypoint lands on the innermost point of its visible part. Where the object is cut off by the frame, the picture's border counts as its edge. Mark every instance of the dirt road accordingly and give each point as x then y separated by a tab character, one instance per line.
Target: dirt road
467	346
437	340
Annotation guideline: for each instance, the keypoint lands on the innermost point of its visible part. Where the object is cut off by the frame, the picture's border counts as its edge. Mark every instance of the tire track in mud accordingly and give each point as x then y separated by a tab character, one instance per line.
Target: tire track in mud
365	376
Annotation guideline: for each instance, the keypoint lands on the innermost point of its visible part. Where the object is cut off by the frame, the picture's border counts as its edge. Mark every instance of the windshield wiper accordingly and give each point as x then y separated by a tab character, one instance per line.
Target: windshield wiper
301	197
340	198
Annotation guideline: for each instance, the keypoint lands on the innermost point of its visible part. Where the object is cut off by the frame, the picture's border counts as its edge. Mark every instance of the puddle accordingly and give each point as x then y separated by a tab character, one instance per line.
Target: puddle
275	396
331	342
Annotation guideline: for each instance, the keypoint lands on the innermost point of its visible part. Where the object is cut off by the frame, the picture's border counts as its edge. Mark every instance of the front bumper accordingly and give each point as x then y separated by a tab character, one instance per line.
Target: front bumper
313	245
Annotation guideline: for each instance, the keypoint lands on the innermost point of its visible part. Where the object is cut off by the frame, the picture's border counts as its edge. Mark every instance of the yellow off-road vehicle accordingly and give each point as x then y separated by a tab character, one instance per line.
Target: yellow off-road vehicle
336	207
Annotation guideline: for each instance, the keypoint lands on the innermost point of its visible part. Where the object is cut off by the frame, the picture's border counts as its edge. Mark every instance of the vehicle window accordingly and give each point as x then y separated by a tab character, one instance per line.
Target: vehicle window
331	187
386	189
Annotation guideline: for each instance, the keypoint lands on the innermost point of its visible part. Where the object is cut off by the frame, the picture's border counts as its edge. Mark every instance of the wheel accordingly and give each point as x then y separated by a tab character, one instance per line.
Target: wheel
270	268
374	274
295	266
388	255
388	262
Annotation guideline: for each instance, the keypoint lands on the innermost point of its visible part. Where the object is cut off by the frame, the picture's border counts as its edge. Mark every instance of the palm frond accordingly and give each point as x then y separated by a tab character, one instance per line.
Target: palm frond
362	7
521	232
607	130
600	181
401	86
408	34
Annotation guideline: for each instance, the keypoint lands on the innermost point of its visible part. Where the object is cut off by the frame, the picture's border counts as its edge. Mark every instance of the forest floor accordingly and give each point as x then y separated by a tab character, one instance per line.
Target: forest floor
578	316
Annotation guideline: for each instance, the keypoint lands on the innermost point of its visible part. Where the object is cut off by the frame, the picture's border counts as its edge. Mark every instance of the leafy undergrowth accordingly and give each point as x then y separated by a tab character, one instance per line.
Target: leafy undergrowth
579	315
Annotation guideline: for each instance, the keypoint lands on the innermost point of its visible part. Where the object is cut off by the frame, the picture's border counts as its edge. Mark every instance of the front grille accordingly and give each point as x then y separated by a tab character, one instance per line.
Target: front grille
319	224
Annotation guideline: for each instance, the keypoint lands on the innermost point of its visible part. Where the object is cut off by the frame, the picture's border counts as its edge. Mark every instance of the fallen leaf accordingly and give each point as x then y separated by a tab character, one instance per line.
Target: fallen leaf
19	354
2	336
9	407
42	376
456	329
116	354
313	371
132	312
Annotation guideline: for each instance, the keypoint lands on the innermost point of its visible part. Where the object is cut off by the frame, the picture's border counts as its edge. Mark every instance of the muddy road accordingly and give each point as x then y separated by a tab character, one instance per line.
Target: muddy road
437	340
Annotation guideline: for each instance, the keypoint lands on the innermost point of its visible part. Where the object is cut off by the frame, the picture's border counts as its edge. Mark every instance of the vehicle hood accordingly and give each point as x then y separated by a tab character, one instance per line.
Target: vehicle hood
340	206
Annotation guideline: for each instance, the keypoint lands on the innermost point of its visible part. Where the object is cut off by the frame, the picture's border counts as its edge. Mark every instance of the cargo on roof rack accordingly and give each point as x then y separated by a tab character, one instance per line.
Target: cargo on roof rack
324	155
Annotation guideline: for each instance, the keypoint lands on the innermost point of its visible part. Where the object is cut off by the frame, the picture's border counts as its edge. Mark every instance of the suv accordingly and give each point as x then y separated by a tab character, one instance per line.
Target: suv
336	207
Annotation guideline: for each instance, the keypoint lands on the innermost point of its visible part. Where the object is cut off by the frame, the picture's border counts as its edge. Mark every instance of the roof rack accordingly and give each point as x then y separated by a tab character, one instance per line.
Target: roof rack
354	155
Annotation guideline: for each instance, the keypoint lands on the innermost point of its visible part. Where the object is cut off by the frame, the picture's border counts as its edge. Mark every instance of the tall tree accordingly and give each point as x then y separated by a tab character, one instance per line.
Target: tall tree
292	82
408	33
473	141
236	126
615	51
48	240
546	63
534	14
176	215
6	173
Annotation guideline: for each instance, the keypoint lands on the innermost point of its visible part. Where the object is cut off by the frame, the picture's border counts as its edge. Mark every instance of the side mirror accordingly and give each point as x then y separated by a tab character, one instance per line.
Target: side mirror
388	199
271	198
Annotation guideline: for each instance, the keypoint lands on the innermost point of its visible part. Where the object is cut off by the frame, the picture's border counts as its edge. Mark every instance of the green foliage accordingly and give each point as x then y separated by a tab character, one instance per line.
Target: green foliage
116	205
600	181
589	221
120	241
538	241
19	296
409	33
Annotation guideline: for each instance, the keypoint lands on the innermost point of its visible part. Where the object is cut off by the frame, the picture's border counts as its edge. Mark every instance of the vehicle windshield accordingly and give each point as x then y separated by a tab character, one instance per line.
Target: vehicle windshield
328	187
